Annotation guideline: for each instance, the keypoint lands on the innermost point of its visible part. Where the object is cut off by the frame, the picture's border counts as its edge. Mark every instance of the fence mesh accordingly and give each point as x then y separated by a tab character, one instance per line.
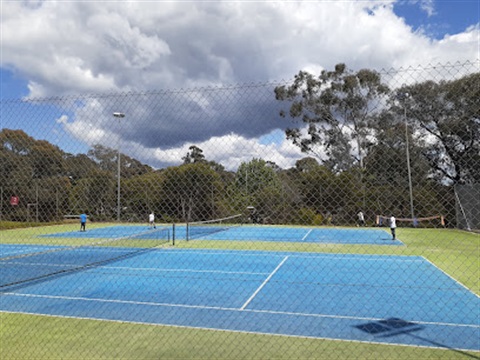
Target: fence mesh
468	209
342	201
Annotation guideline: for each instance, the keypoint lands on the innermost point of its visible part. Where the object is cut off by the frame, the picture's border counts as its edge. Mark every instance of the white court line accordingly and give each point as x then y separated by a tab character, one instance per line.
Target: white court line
195	271
449	276
239	331
217	308
263	284
306	235
41	264
263	253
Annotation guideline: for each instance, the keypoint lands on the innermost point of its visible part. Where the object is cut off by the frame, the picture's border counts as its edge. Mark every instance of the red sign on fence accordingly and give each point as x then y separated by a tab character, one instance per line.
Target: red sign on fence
14	200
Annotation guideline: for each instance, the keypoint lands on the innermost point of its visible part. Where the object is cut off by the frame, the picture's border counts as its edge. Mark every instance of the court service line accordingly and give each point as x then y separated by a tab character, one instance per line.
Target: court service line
214	308
199	271
306	235
264	283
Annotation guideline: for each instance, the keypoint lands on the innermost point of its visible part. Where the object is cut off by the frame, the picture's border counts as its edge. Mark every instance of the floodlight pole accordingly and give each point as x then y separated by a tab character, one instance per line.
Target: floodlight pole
119	116
407	146
36	201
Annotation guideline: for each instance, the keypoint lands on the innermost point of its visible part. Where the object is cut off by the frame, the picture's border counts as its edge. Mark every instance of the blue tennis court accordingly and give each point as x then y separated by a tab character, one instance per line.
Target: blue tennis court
116	232
294	234
359	236
369	298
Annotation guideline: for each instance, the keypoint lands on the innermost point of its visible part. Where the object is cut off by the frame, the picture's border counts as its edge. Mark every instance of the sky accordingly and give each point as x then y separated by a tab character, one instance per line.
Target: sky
66	48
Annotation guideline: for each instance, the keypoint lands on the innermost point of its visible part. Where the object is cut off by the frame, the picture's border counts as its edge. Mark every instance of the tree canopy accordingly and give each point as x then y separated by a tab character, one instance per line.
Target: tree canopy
335	108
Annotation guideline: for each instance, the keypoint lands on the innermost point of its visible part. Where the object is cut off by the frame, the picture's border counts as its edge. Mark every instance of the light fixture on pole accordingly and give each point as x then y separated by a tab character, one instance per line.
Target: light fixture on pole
118	115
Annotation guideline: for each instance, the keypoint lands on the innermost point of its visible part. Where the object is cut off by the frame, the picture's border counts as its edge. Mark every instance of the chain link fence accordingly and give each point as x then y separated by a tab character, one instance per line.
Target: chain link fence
468	211
321	217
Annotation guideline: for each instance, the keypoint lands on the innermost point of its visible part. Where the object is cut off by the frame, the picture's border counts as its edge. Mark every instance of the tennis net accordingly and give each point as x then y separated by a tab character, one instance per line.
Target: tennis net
20	267
430	221
200	229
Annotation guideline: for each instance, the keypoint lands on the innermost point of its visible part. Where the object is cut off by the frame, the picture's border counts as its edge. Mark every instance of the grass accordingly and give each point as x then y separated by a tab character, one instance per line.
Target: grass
24	336
41	337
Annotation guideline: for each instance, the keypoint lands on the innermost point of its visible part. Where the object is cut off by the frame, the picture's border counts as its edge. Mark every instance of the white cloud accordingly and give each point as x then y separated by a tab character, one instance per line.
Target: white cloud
103	46
62	120
428	6
229	150
98	47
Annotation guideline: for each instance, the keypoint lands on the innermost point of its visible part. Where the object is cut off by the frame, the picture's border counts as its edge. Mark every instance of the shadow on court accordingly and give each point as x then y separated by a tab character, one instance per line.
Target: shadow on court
395	326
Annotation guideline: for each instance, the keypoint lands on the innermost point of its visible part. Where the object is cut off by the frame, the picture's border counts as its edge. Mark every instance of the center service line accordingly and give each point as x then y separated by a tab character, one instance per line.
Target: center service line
264	283
306	235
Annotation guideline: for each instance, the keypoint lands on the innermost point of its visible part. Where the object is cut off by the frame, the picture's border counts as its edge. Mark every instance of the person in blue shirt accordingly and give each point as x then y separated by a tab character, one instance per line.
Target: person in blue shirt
83	221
